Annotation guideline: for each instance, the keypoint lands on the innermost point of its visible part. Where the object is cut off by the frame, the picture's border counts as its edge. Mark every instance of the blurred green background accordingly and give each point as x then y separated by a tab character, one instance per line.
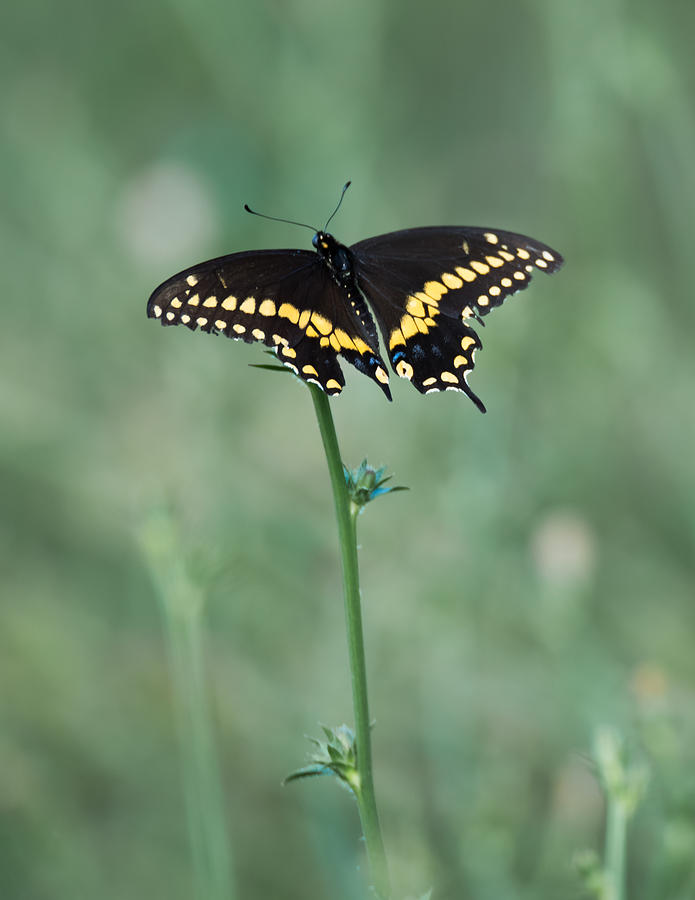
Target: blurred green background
538	579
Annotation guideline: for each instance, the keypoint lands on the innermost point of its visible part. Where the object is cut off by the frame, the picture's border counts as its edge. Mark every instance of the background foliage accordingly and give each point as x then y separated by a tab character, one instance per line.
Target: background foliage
537	580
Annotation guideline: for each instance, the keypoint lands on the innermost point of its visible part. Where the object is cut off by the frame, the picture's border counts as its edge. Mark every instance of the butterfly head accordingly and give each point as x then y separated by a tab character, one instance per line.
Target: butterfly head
324	242
336	256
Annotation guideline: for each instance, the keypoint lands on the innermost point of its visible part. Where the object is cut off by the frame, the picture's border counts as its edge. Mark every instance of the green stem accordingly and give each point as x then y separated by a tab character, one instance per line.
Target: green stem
616	838
182	607
346	514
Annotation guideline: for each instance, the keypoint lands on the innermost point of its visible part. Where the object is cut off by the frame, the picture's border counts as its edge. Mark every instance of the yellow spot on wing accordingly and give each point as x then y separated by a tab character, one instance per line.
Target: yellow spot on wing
505	255
332	384
220	324
309	370
408	327
506	282
467	341
548	255
344	339
396	338
288	311
449	377
541	263
381	375
415	307
311	331
321	323
466	274
494	291
194	300
259	334
325	342
240	329
480	267
452	281
176	303
229	302
334	342
435	290
170	316
248	306
362	348
428	381
201	320
185	318
267	308
289	351
404	369
519	276
304	318
157	311
483	300
460	361
495	261
491	237
192	280
523	254
421	326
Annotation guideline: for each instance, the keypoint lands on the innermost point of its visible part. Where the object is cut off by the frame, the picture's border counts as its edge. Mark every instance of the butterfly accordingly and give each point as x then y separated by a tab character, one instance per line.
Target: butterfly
423	286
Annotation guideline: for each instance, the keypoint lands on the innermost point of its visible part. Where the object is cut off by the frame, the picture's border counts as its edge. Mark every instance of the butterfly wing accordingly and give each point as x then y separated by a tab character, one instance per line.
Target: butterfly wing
426	284
284	299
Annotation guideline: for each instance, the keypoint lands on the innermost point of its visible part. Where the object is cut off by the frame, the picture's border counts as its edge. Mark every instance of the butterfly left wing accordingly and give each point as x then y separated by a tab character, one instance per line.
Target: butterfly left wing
284	299
425	284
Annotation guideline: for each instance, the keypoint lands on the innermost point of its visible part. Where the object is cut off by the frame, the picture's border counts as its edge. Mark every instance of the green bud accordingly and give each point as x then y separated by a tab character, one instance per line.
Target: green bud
365	483
335	755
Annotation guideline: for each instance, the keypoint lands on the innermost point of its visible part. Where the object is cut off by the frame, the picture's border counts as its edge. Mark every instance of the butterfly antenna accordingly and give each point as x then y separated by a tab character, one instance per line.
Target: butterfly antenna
345	187
276	219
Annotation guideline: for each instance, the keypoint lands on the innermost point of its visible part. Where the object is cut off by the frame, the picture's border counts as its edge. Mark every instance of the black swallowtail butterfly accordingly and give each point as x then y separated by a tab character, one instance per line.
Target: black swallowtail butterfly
424	286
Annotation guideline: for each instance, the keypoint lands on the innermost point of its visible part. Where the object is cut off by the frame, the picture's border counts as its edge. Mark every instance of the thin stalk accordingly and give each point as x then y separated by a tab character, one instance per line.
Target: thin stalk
346	514
616	838
182	608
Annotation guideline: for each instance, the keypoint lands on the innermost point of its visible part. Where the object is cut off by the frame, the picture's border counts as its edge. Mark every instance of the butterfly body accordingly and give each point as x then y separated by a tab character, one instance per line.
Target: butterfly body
336	256
422	285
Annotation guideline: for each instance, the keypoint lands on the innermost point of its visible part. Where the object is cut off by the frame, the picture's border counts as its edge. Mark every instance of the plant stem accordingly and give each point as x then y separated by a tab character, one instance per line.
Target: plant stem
346	514
616	838
182	607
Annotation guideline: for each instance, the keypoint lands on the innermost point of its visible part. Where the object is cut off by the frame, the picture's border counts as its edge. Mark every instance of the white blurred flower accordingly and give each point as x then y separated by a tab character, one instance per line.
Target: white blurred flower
563	548
166	214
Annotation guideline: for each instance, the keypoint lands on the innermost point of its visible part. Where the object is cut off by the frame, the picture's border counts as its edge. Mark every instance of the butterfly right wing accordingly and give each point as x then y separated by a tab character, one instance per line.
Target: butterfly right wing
284	299
426	287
